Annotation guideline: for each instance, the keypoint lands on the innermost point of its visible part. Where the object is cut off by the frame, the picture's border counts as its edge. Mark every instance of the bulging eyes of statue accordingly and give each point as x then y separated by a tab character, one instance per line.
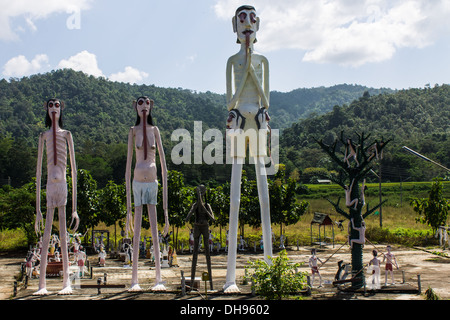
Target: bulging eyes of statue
142	101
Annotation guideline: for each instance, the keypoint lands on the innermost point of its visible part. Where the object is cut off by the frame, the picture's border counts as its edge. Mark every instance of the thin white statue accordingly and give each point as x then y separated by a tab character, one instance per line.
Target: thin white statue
247	124
145	138
56	139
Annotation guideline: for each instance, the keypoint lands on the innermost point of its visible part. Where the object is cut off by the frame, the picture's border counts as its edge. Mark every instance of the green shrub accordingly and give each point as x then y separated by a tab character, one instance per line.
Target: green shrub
278	279
431	295
403	236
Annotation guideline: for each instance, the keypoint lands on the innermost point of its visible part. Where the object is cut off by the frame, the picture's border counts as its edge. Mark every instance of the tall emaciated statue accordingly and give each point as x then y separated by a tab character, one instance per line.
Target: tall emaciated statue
56	140
145	139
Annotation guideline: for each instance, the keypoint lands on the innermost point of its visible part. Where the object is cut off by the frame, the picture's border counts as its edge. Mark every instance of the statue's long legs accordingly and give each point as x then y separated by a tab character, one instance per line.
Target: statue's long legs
136	237
154	227
235	199
201	231
44	253
208	254
64	250
264	202
195	255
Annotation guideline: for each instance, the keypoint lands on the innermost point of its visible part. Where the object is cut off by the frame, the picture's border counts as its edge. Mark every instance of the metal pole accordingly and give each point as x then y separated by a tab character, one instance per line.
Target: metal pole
423	157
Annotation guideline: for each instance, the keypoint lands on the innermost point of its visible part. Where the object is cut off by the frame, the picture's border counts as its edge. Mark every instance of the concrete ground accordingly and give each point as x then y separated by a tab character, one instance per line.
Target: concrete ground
433	270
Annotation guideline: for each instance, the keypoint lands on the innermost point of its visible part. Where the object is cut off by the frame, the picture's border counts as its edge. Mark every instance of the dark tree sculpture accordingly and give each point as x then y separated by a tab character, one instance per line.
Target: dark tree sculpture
355	164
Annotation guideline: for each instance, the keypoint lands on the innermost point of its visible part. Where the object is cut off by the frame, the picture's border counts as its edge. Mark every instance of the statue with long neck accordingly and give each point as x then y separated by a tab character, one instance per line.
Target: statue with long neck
56	140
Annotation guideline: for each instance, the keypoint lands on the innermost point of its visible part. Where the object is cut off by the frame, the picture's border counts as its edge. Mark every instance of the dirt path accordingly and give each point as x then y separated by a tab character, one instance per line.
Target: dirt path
434	271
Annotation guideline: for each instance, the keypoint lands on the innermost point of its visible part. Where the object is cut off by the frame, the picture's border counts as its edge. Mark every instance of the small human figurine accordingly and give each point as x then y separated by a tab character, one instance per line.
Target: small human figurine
54	244
102	256
146	139
56	140
81	257
362	233
30	261
211	241
76	246
350	152
241	243
247	124
282	239
174	262
390	260
374	271
442	234
128	250
314	267
348	201
203	213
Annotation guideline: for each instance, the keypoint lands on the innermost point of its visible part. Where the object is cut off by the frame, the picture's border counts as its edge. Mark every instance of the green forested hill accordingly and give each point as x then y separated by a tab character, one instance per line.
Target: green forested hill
417	118
99	113
287	108
97	109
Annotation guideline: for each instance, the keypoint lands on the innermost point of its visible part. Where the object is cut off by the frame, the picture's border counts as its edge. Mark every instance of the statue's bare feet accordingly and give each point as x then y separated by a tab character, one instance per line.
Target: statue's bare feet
159	287
231	287
65	291
41	292
135	288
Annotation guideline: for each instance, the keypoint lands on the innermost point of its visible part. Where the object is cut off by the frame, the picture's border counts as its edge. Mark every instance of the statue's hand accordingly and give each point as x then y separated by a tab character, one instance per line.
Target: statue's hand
129	221
75	218
166	226
39	224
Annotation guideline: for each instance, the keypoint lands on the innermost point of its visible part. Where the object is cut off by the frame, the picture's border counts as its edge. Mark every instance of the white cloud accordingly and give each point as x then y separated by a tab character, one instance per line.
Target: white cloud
130	75
32	10
20	66
82	61
346	32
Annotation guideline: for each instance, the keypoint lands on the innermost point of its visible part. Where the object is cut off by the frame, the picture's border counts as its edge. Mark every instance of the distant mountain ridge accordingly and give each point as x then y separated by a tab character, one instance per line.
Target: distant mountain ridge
101	110
418	118
99	114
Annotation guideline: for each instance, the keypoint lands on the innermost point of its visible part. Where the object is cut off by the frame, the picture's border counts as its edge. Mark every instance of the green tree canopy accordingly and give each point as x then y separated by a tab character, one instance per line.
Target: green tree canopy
433	210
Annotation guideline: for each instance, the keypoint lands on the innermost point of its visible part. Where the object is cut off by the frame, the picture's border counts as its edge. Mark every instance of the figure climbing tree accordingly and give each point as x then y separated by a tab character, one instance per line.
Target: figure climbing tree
354	160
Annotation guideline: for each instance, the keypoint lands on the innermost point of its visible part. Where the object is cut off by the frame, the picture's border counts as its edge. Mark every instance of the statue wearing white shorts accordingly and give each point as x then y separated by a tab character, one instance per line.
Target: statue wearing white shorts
146	139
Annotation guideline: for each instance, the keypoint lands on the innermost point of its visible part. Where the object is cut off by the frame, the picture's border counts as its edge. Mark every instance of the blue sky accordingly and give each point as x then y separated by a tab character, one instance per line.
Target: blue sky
181	43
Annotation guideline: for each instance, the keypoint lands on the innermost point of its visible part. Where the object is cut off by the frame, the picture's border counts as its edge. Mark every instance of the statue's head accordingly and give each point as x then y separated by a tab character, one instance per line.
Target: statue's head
245	22
201	192
54	108
141	104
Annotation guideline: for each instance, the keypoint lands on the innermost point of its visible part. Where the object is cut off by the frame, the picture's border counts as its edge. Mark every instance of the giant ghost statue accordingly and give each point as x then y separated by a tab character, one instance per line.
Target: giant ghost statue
145	138
56	139
247	125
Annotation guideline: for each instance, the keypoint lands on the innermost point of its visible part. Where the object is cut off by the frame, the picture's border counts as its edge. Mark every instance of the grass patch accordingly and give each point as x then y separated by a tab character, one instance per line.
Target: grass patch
12	240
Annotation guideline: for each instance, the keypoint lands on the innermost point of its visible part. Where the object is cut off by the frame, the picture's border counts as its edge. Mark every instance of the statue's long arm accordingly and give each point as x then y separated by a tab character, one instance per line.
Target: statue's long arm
73	166
190	212
129	223
263	92
232	99
210	212
39	223
162	159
